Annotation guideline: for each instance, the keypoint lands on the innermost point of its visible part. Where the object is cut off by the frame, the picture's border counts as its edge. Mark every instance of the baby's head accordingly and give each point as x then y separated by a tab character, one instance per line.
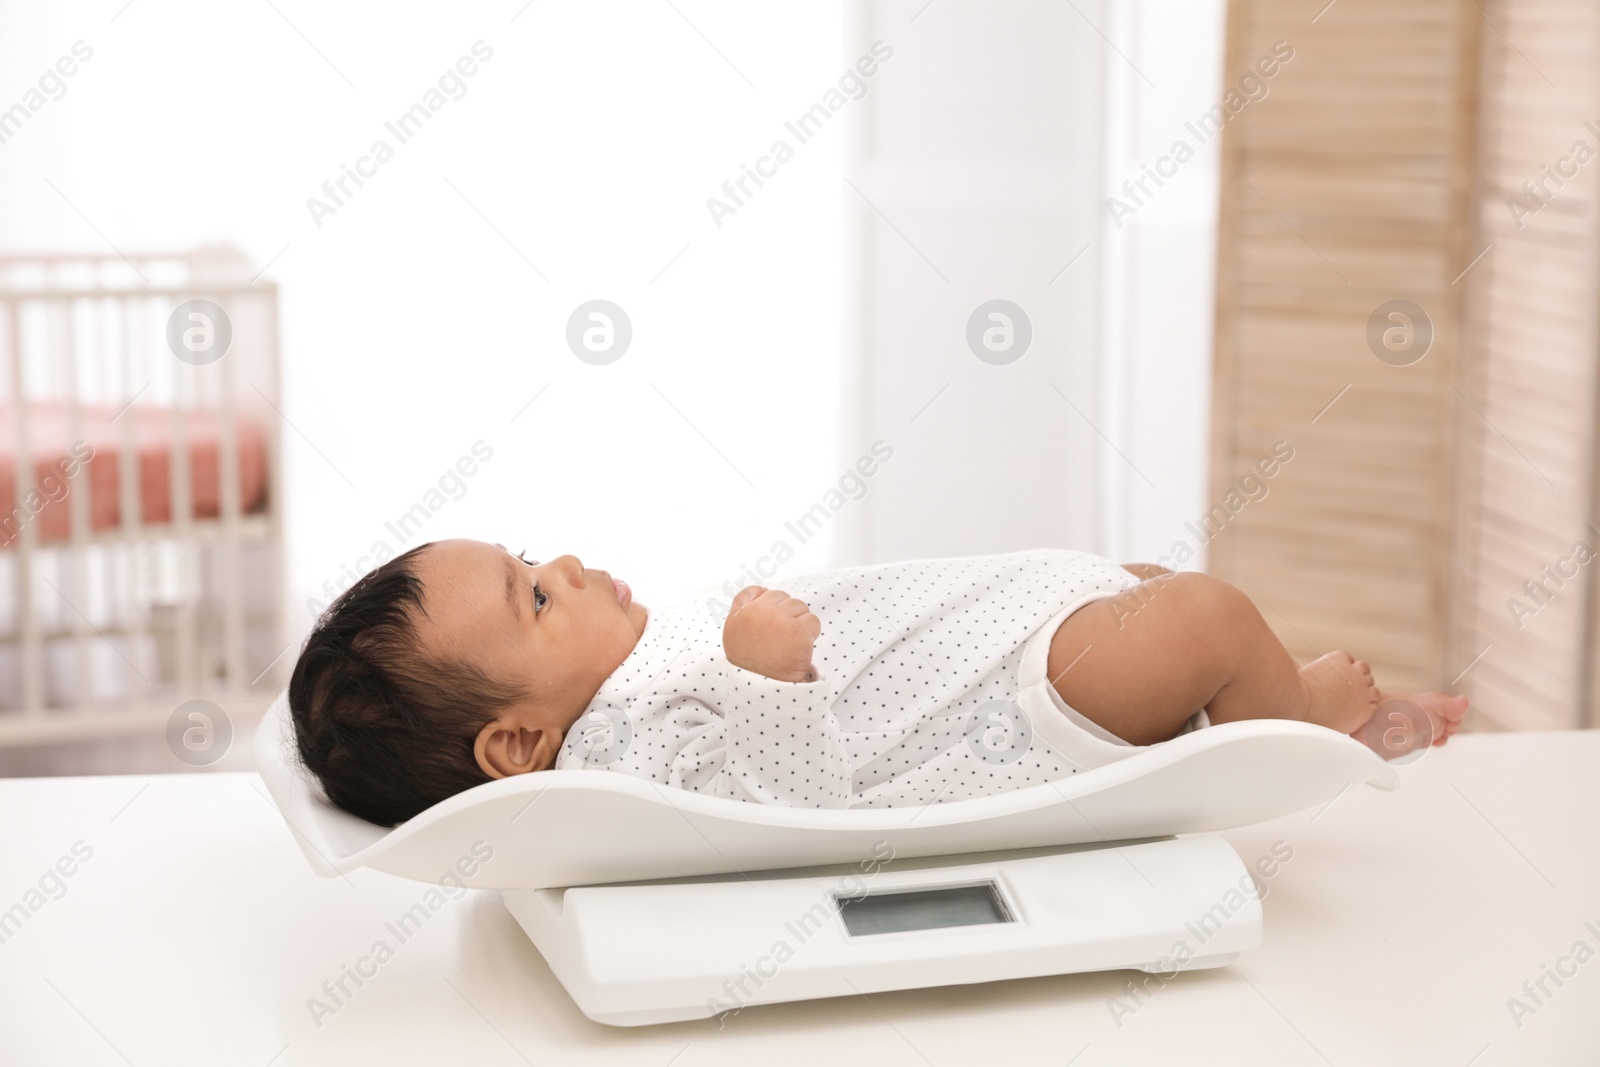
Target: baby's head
449	666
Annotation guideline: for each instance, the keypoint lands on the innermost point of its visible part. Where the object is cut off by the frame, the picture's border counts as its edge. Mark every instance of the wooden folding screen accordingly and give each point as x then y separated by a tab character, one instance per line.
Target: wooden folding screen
1526	537
1438	515
1344	189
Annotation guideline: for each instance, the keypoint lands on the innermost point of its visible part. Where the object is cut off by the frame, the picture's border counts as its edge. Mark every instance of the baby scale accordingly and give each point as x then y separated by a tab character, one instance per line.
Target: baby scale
652	904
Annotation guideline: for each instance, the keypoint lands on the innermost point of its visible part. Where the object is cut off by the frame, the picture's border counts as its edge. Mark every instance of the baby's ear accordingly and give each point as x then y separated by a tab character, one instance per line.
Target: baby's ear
505	747
547	748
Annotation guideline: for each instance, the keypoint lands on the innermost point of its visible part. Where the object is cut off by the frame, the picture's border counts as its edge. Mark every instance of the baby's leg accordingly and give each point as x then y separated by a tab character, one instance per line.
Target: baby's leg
1140	663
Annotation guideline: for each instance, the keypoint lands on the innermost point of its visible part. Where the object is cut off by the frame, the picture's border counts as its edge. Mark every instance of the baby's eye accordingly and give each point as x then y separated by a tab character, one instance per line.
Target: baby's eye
537	593
524	558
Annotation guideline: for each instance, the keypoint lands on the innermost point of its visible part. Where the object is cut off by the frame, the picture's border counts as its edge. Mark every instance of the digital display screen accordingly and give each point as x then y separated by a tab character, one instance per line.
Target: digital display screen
923	909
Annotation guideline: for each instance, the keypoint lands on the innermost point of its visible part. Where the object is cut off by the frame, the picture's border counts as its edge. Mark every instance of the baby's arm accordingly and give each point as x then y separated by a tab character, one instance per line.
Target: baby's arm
777	740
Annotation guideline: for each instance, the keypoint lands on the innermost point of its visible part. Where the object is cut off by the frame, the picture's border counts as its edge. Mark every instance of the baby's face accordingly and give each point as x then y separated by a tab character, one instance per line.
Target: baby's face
556	627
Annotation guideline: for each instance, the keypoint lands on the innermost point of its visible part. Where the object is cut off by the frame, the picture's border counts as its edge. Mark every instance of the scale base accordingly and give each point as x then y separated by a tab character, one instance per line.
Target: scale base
672	950
1200	964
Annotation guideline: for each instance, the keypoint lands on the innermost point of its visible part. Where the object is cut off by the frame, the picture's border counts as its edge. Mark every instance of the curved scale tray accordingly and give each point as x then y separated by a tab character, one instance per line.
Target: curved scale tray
570	828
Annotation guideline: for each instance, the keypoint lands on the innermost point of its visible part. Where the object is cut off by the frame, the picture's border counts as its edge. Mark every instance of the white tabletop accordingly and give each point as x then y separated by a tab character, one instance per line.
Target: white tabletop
1398	933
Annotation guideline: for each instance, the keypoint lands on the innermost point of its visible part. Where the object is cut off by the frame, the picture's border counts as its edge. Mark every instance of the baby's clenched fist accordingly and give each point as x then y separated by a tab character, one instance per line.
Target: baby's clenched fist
772	634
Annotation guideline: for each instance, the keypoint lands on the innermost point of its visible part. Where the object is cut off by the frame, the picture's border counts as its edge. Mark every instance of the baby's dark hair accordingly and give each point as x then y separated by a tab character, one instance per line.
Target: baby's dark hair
387	730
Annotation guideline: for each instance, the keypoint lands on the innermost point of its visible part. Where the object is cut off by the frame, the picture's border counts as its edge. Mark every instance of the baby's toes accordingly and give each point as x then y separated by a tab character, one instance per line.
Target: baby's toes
1364	677
1444	727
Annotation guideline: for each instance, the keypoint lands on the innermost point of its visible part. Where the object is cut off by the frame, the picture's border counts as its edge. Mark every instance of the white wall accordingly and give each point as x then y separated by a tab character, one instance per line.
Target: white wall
411	327
1159	267
984	164
591	141
978	168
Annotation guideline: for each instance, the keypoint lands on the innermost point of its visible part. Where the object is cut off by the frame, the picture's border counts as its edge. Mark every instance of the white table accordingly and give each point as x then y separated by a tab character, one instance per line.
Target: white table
196	934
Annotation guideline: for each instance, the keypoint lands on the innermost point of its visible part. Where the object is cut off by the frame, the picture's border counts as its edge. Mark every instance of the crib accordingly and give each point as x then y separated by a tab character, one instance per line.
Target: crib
141	528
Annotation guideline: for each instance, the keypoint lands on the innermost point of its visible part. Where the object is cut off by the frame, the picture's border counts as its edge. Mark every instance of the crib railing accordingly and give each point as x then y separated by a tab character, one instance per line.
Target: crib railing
113	619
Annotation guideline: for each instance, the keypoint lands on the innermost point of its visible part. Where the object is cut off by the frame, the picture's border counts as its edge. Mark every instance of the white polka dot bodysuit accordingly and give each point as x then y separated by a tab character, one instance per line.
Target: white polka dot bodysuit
931	689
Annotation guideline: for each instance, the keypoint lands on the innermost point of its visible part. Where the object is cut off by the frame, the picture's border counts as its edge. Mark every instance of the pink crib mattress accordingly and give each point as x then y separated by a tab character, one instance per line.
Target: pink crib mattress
51	451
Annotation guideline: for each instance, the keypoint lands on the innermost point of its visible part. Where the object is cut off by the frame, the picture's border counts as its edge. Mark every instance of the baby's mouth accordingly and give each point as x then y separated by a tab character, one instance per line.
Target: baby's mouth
624	594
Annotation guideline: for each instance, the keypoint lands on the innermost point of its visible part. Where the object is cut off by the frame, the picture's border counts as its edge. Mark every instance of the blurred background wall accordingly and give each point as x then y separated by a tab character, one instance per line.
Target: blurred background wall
424	313
982	173
428	312
897	279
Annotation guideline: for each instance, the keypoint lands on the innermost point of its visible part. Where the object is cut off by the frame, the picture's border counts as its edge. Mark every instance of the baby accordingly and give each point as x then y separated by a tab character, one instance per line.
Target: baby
893	684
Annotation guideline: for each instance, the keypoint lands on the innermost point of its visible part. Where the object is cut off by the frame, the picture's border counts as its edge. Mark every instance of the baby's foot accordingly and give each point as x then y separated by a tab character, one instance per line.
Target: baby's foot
1339	692
1409	722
